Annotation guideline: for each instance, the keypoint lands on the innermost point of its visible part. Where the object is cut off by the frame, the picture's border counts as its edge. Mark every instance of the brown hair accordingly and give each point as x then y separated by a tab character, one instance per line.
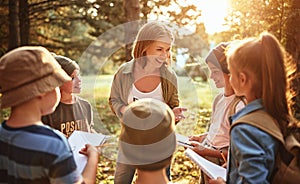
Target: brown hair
264	58
149	33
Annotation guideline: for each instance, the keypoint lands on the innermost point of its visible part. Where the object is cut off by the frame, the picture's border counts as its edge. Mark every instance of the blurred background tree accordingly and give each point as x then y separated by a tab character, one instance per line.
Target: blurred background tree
80	29
69	27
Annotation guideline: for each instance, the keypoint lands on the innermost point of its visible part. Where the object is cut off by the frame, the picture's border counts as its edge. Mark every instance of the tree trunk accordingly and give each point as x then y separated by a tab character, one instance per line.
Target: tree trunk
24	22
13	37
293	31
132	14
293	47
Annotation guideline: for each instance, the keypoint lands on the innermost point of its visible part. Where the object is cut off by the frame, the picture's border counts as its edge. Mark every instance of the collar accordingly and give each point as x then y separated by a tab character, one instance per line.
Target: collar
128	67
253	106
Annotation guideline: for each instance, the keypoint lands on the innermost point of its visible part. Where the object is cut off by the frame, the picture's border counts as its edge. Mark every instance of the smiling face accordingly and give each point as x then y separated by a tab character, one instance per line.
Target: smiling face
216	75
76	79
158	53
73	86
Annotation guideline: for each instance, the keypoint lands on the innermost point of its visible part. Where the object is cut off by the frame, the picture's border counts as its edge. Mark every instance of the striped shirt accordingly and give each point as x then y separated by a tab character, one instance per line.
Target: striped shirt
35	154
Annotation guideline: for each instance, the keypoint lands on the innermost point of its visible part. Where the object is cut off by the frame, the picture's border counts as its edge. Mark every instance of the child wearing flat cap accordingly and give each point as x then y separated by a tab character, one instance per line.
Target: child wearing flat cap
73	112
31	152
147	140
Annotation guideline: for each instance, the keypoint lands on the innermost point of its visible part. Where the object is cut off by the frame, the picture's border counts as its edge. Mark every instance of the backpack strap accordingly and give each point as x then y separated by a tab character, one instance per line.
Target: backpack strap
293	145
287	163
263	121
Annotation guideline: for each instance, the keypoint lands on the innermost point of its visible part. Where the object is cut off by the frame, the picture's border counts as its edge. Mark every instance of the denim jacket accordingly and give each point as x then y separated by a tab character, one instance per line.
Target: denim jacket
252	151
123	80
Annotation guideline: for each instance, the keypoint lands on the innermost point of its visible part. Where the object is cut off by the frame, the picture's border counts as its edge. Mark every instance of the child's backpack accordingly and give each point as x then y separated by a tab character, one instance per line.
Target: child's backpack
287	166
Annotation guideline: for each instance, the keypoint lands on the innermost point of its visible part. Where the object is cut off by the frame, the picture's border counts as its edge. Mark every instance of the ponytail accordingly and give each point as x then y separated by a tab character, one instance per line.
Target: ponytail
265	58
274	80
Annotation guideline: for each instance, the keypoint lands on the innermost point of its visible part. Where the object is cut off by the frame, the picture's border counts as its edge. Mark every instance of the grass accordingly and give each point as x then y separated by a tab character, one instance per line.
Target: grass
195	96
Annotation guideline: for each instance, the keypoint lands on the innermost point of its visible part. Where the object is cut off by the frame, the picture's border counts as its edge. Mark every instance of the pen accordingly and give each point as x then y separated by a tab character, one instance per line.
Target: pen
223	156
104	144
187	144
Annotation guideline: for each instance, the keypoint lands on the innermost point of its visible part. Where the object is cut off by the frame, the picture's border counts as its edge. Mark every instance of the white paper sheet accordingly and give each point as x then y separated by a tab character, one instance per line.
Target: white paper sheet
183	140
209	168
77	141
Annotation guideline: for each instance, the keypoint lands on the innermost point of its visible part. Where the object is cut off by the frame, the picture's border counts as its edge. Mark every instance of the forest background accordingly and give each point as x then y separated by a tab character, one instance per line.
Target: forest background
98	34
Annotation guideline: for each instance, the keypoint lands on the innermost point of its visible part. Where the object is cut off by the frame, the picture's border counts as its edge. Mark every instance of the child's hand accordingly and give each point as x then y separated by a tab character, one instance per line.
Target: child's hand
198	138
224	165
198	148
219	180
89	150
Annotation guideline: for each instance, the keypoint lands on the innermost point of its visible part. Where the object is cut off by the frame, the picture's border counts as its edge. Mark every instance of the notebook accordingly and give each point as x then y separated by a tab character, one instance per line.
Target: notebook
183	141
211	169
77	141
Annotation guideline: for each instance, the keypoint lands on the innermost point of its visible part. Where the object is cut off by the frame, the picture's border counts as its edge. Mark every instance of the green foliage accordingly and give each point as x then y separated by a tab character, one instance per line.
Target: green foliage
249	18
183	170
185	14
105	171
3	27
245	18
184	41
64	27
4	114
149	6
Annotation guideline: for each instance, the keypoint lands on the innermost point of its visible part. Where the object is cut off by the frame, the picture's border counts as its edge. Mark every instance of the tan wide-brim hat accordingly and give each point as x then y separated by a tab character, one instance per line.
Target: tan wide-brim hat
27	72
147	140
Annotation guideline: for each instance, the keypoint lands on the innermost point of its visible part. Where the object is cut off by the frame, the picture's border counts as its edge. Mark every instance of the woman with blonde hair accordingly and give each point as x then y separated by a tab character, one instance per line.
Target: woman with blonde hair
147	75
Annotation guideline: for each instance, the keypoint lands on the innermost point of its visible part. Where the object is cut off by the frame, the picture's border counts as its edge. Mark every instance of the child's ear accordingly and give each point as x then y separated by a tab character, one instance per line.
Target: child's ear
243	78
41	96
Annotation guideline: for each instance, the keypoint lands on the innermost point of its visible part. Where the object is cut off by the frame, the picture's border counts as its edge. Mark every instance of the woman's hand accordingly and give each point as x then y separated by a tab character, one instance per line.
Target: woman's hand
122	109
178	113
